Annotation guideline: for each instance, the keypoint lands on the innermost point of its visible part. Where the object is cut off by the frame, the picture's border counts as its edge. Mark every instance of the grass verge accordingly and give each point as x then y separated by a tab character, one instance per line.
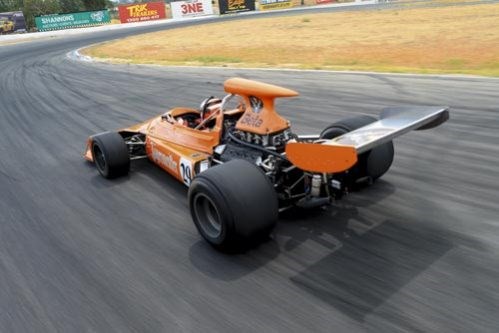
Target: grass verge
461	38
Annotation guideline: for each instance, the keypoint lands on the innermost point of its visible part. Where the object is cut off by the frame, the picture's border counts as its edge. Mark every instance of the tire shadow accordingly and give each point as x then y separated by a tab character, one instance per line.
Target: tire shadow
229	267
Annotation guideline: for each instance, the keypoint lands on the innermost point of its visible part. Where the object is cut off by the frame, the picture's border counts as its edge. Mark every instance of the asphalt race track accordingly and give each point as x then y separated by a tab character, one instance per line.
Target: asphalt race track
418	251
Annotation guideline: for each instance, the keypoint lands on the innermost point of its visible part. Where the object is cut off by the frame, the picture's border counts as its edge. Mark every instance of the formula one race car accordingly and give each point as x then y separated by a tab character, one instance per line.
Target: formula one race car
243	164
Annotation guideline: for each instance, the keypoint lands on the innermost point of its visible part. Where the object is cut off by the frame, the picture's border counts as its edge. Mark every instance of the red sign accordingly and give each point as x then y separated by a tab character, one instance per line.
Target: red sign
324	1
142	12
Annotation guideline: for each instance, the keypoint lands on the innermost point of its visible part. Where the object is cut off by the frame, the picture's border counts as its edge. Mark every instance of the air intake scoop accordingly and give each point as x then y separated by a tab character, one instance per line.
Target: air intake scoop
260	116
245	87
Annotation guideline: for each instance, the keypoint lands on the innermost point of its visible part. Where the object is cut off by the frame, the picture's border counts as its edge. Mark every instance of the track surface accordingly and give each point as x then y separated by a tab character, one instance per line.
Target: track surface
418	251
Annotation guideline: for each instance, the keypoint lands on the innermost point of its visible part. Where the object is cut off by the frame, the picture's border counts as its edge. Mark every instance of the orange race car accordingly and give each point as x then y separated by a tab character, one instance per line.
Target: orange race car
243	164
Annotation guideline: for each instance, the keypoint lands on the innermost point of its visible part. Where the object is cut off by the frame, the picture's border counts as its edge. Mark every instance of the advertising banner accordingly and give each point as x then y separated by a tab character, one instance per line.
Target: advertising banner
72	20
191	8
142	12
12	22
235	6
275	4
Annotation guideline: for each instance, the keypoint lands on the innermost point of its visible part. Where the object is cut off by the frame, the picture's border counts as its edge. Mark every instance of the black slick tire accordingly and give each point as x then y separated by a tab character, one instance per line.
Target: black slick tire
234	205
373	163
110	154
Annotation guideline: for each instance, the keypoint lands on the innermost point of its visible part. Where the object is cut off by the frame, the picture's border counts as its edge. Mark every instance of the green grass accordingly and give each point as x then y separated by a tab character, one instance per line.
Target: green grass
211	59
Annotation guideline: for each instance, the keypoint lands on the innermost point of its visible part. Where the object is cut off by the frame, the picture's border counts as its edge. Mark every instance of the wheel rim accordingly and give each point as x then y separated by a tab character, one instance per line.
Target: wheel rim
99	159
207	215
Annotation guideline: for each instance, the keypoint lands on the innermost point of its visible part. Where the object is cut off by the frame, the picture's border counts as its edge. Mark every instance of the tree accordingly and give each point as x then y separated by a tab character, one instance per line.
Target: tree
34	8
94	4
71	6
10	5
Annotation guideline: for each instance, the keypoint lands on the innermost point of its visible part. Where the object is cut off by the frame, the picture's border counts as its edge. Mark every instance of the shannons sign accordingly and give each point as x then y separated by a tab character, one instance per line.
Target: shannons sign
72	20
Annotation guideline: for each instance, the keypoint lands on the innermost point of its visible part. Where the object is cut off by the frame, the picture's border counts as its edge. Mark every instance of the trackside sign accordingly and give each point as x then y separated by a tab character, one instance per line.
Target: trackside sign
235	6
275	4
191	8
12	21
72	20
142	12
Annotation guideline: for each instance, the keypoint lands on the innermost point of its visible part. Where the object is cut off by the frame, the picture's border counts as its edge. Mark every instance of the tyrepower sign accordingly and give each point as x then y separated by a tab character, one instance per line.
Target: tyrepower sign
191	8
142	12
275	4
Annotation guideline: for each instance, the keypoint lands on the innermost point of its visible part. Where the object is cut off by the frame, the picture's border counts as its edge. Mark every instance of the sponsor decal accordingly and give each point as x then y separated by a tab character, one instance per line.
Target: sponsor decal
164	160
235	6
251	120
191	8
142	12
256	104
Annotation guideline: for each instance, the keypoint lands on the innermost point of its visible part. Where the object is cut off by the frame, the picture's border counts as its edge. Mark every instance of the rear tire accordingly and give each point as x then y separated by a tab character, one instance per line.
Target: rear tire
110	154
373	163
234	205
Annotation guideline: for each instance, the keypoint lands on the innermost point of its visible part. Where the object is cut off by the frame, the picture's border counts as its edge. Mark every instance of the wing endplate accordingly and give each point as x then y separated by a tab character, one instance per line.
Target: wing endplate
323	158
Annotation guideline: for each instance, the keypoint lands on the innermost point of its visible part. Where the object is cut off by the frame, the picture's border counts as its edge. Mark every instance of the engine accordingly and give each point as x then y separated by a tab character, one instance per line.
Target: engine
273	141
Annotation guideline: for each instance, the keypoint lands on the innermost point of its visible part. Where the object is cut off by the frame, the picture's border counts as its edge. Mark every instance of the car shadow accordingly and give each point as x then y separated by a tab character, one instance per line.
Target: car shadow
367	270
297	225
371	256
354	255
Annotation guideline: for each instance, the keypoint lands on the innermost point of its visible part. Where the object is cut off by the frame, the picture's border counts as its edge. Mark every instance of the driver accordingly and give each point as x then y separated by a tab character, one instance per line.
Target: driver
206	109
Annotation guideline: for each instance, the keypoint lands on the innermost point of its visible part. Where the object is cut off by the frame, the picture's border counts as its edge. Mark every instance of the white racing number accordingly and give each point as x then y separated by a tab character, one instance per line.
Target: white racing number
186	171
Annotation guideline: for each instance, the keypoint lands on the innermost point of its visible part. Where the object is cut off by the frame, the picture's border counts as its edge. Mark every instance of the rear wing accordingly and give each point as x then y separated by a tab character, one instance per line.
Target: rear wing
336	155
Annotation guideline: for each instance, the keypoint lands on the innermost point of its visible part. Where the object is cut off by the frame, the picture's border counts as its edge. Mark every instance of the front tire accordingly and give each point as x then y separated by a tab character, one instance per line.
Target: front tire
373	163
233	205
110	154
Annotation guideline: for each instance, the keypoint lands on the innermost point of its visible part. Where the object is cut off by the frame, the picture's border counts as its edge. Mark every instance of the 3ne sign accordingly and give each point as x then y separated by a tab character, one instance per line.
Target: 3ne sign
142	12
184	9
